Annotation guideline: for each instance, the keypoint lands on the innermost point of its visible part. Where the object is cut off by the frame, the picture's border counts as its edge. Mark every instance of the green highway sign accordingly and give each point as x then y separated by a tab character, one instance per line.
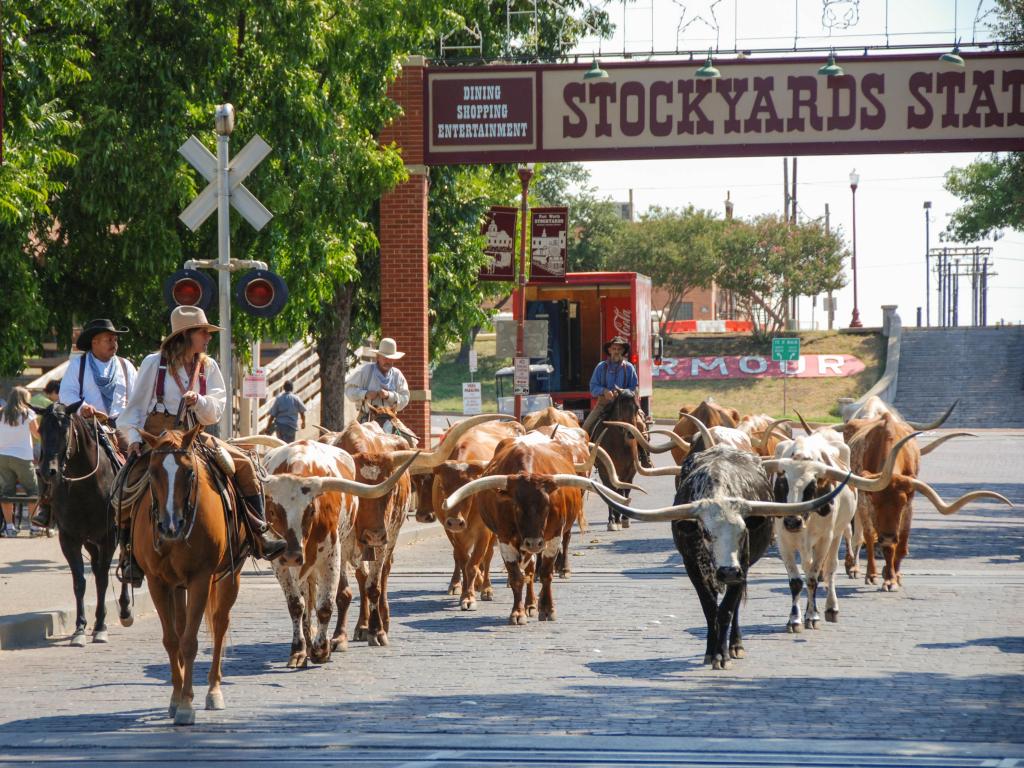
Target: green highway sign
785	349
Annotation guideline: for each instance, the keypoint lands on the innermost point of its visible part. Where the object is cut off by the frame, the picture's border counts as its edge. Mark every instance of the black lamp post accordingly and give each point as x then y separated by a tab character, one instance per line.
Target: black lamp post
525	174
854	181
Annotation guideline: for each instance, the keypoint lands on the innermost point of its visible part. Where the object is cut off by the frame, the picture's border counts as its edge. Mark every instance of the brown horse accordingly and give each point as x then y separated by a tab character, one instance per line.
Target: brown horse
184	543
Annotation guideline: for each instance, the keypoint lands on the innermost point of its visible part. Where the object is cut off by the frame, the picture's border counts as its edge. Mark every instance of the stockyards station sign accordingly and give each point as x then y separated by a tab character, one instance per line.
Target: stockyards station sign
756	367
758	107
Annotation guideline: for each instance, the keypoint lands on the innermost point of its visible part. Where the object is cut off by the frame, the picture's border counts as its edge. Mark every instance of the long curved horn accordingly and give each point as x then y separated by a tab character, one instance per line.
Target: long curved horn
938	422
267	441
572	481
366	490
588	465
785	509
948	509
936	443
803	422
768	432
670	471
613	476
679	442
639	437
868	483
323	430
709	440
489	483
677	512
429	459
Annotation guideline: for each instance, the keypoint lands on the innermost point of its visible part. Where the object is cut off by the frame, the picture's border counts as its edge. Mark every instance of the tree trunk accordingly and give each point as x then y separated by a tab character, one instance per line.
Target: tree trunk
331	345
467	344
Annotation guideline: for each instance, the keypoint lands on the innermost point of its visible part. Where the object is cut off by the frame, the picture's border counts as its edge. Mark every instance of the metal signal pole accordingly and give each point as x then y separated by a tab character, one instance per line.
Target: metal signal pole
525	174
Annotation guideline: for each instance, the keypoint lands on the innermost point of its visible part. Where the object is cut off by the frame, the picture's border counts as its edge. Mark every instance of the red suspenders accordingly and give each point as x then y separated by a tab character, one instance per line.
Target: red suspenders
161	378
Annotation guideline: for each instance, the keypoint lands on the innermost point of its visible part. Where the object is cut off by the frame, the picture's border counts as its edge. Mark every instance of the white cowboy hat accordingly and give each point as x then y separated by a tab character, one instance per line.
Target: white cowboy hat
185	318
388	348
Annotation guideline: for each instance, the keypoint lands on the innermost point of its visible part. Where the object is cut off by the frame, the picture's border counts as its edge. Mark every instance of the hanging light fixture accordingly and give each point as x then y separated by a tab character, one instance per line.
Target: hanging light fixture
708	70
953	57
595	72
831	69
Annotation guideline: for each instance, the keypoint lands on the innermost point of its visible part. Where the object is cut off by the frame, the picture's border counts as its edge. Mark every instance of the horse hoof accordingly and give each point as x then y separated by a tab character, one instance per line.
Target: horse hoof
101	636
832	616
378	640
719	663
737	652
339	644
360	635
531	610
565	575
795	629
297	660
547	616
453	589
185	716
172	710
215	700
468	604
612	525
518	619
126	621
625	522
78	639
487	594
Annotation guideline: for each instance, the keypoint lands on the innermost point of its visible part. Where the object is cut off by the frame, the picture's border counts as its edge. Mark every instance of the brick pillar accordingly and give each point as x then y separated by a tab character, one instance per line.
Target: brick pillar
403	248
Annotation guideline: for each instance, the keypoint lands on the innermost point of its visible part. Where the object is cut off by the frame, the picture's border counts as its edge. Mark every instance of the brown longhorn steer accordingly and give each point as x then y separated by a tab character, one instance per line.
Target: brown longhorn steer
884	509
529	496
710	414
549	417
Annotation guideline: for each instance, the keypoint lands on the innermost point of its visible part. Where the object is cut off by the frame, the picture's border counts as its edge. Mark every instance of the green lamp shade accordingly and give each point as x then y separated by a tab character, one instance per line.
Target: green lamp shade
953	57
708	70
831	69
595	72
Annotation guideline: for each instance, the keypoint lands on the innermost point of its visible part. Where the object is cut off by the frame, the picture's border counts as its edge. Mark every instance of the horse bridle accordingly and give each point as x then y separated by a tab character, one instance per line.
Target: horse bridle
69	434
191	503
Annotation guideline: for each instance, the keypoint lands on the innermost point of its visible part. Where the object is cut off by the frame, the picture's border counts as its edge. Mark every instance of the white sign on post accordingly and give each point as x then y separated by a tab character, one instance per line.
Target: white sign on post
521	376
472	361
472	398
254	385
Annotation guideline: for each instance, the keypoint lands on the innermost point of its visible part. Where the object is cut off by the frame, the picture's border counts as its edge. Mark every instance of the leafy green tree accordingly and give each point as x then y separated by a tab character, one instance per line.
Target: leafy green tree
676	249
766	261
42	57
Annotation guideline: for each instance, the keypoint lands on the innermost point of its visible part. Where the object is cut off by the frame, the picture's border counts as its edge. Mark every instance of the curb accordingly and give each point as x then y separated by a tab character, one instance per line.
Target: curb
36	628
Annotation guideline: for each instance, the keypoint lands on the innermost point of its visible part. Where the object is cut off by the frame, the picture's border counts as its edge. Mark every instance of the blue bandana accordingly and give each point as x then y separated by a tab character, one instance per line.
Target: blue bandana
105	377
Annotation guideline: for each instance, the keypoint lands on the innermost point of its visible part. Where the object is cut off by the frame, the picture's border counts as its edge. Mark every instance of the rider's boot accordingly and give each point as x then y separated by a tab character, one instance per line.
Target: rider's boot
43	517
128	570
268	545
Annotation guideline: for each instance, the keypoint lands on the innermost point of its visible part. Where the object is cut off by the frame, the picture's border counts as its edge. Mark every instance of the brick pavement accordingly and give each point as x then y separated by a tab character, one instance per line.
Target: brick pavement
936	666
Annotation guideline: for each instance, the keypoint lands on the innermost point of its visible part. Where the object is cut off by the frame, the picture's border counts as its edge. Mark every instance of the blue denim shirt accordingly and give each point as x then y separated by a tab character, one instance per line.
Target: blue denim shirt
608	375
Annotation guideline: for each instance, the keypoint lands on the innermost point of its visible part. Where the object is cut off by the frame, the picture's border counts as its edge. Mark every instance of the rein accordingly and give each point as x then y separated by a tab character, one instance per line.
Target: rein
68	455
192	502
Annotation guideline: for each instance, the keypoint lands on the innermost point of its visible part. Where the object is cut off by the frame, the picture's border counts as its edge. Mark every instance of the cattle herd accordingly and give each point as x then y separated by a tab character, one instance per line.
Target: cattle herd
741	482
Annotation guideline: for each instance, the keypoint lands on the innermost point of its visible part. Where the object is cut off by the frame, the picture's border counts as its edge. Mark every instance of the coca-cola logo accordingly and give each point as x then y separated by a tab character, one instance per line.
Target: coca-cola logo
622	322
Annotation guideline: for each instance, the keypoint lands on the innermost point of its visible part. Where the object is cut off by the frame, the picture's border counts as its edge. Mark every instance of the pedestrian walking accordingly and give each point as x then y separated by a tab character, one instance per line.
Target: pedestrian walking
285	413
17	428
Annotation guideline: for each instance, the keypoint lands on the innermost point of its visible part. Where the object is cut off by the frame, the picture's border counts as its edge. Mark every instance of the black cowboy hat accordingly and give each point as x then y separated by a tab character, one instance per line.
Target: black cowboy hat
84	341
621	342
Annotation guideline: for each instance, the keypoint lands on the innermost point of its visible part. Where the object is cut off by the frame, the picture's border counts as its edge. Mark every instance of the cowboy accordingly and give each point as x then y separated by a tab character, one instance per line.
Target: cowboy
102	382
176	384
379	384
612	376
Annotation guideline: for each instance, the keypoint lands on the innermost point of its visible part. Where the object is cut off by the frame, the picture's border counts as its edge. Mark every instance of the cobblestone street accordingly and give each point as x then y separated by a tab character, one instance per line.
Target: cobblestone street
932	673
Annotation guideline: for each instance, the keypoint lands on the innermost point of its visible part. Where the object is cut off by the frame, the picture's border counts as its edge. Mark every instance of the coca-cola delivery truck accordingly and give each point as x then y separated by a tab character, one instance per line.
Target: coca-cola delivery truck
582	313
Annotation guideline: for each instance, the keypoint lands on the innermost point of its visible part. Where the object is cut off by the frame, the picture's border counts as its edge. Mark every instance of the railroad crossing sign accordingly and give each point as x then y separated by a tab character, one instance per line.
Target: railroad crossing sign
242	199
786	349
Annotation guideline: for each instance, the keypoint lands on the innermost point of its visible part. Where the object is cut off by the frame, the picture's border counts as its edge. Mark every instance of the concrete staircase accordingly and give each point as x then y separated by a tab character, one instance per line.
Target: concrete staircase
984	367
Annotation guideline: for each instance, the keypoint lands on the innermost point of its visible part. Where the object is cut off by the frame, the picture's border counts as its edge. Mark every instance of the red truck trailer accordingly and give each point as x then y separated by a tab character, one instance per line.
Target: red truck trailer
582	314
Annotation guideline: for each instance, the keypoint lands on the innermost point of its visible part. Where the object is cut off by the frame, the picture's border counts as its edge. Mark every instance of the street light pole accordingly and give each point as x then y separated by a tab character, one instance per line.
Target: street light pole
525	174
927	266
854	181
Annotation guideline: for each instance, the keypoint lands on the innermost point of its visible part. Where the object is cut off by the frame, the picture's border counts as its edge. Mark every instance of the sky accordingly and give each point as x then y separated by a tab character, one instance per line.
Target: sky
892	188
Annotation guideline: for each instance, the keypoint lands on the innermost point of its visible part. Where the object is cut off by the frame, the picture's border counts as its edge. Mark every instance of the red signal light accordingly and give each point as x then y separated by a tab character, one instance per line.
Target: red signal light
259	293
187	291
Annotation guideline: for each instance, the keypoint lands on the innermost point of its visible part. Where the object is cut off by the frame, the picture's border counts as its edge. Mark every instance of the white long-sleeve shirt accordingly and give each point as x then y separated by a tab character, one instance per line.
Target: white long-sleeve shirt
367	379
208	408
90	393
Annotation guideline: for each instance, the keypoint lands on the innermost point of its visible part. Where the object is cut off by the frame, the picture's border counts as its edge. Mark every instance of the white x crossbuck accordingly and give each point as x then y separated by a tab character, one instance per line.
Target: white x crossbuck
242	199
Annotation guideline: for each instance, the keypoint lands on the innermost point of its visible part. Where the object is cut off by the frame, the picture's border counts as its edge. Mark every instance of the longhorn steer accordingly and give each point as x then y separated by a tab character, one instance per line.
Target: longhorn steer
529	496
721	525
710	414
814	537
549	417
312	503
885	510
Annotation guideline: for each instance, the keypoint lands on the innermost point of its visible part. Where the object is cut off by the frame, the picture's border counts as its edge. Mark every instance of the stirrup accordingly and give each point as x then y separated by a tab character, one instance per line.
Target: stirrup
135	582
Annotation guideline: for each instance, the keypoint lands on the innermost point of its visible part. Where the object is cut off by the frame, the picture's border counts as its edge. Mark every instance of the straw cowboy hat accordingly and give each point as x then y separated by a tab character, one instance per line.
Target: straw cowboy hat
621	342
92	328
388	348
185	318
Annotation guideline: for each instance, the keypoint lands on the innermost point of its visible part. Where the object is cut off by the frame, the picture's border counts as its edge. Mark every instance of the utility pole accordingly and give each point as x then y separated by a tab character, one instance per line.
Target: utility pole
831	298
927	266
792	207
